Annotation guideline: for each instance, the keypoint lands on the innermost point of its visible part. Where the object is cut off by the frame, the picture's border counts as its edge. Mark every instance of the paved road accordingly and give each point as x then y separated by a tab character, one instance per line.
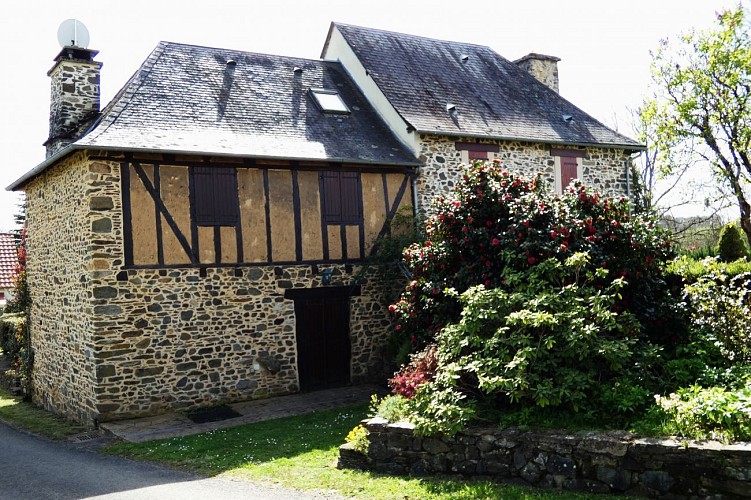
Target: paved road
37	469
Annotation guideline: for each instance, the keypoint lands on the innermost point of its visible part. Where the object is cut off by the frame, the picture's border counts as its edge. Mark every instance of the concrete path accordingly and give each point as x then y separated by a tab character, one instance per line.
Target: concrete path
177	424
32	468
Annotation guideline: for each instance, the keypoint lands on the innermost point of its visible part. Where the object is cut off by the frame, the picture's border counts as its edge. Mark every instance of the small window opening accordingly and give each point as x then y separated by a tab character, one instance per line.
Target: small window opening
329	101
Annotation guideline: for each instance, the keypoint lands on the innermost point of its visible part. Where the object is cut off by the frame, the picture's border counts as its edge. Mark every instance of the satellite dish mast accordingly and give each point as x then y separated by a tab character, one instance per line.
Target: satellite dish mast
73	33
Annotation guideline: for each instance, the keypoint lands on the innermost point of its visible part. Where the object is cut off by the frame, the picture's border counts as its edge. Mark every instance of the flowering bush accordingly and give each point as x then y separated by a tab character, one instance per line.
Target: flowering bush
499	225
419	370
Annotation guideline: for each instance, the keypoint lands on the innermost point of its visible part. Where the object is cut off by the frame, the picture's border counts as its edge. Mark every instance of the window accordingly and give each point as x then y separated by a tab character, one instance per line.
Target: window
341	197
216	201
473	151
329	101
568	166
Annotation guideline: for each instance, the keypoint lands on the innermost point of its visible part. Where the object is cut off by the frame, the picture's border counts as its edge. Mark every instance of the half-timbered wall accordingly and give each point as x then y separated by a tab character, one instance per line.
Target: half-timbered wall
285	213
176	326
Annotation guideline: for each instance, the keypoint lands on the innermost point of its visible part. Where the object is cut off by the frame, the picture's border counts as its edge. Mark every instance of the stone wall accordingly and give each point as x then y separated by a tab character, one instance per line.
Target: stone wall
113	343
59	249
614	462
603	169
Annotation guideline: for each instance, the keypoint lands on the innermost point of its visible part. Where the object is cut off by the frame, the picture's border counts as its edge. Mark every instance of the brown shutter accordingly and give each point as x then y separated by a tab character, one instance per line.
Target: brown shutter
350	194
569	171
216	201
226	203
332	200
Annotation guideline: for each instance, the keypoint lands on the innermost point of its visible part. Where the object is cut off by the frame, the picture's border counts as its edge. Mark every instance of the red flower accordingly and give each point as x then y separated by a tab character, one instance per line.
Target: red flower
531	260
496	241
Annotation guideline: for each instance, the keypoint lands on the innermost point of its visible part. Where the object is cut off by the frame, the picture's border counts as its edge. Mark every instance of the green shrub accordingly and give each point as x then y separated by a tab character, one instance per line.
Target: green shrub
731	245
690	269
393	408
359	439
721	307
708	413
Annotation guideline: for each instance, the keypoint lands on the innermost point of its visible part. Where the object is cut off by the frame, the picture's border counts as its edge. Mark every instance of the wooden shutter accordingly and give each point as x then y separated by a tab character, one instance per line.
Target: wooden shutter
569	171
216	201
350	194
226	202
341	197
332	198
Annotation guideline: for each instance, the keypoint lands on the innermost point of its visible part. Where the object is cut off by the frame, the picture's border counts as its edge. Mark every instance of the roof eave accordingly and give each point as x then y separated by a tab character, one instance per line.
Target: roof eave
39	169
629	147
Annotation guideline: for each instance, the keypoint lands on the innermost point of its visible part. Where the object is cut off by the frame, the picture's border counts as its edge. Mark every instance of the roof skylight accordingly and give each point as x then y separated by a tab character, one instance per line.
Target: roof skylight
329	101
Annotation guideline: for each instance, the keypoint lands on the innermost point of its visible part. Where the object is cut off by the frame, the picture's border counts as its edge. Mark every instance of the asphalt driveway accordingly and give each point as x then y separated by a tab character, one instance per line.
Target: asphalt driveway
37	469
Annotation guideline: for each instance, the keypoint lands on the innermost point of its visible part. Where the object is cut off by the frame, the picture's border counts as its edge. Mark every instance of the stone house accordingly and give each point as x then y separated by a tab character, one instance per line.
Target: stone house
8	266
202	238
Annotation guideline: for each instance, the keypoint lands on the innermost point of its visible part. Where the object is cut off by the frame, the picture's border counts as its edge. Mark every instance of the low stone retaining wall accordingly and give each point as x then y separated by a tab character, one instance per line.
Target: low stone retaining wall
611	462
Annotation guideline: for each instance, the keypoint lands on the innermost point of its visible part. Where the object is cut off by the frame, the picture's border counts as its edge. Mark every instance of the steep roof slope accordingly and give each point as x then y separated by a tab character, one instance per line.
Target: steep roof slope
492	96
195	99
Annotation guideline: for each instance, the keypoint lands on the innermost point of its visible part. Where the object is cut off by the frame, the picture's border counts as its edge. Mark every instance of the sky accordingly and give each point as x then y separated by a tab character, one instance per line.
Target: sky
603	45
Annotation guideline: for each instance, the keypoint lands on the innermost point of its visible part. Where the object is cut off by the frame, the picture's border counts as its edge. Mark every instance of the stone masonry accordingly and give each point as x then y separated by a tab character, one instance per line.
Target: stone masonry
74	95
613	462
603	169
112	343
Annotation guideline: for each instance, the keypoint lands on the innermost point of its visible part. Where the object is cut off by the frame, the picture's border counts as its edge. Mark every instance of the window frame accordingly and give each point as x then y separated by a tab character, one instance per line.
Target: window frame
569	156
316	92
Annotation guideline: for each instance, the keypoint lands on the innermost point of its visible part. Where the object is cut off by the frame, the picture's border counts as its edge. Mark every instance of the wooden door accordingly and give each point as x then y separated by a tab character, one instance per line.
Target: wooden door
323	346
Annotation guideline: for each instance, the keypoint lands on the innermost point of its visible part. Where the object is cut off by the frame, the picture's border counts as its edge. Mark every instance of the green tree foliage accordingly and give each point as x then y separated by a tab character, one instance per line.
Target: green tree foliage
730	244
702	105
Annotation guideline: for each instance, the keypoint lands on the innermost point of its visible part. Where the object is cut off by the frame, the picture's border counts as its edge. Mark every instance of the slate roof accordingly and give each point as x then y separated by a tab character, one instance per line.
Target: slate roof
8	260
494	98
187	99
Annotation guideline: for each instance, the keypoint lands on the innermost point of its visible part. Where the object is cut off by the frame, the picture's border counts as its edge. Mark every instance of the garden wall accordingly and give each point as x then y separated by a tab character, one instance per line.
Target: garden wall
611	462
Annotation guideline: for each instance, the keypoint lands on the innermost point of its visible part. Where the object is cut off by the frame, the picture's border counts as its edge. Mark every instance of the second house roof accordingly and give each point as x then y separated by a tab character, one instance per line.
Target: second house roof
492	97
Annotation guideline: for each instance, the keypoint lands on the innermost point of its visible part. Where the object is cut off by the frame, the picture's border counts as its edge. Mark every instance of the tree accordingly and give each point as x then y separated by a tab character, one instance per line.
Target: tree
701	108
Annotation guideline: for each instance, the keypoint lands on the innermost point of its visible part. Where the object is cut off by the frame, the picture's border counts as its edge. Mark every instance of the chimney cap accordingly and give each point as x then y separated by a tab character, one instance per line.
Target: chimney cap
539	57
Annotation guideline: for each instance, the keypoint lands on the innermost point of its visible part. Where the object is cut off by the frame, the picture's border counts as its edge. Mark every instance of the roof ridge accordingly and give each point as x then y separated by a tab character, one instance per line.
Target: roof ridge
409	35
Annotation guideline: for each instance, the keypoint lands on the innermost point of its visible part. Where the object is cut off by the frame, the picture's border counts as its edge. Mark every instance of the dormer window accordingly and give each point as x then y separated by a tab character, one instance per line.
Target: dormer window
329	101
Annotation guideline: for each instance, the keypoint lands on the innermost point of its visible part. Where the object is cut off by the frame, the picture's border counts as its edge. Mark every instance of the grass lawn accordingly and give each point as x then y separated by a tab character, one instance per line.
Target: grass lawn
301	452
16	412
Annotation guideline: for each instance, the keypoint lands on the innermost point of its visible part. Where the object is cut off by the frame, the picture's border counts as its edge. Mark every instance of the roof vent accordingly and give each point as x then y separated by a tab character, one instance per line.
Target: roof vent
231	62
451	108
297	69
567	118
465	57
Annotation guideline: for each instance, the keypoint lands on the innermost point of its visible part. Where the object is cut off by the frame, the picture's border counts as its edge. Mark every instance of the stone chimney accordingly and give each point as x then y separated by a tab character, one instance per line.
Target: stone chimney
542	67
74	101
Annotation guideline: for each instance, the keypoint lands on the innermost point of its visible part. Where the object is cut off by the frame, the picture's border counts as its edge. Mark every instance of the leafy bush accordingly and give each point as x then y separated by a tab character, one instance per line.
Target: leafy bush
393	408
690	269
714	413
538	345
721	306
499	225
420	369
731	245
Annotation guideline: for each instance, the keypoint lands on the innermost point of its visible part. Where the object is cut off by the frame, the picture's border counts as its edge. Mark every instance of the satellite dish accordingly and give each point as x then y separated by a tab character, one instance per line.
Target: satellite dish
73	33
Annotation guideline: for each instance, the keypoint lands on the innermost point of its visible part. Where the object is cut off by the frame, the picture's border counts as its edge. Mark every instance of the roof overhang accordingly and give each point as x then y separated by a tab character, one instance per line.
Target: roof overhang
18	184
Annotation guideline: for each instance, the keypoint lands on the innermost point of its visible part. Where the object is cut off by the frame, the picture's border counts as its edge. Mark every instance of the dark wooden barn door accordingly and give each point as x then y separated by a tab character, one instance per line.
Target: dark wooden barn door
323	346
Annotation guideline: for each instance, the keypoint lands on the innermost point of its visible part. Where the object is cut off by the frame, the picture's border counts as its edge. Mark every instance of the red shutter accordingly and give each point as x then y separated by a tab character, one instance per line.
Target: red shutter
477	155
569	171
